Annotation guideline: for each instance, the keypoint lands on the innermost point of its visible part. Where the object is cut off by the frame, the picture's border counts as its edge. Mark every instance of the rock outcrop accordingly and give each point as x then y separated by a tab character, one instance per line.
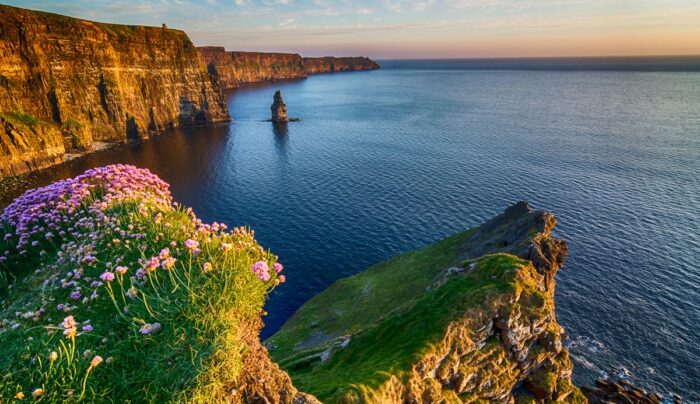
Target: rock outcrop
233	68
608	391
279	109
93	82
466	319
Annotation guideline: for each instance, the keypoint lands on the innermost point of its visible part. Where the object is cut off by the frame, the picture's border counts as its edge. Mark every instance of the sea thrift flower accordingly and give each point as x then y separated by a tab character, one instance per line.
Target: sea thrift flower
149	328
206	267
132	292
107	276
261	269
164	253
168	263
226	247
95	361
53	356
152	264
121	270
70	327
192	246
87	328
282	278
278	267
75	295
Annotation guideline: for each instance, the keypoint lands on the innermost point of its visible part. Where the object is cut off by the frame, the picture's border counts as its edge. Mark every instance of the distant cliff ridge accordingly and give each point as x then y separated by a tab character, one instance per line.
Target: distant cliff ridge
234	68
330	64
66	83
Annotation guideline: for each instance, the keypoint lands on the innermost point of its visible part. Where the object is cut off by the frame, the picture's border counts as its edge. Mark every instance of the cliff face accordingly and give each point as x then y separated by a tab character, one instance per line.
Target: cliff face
234	68
466	319
330	64
94	82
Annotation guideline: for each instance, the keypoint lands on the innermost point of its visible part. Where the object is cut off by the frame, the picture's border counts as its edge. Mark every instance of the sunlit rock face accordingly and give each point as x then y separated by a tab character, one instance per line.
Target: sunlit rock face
233	68
94	82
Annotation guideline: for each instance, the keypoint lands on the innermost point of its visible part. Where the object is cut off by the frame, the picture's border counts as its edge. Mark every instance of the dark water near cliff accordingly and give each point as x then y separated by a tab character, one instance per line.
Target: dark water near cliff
387	161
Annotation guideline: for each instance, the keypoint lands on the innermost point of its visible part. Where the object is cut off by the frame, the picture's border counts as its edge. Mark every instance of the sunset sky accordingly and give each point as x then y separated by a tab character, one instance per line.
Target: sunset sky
414	29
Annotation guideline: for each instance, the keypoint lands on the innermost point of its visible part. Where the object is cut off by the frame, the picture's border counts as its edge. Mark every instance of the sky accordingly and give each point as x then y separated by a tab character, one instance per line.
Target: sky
390	29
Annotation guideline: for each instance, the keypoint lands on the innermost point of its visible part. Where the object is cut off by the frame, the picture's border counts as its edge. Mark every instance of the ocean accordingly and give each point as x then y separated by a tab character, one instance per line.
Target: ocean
387	161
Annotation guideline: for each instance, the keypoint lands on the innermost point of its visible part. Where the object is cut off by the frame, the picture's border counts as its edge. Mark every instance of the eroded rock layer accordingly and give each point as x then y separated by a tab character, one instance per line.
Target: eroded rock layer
93	82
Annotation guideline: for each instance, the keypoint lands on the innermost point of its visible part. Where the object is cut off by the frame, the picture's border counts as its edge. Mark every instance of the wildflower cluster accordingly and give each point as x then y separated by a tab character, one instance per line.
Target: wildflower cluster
116	264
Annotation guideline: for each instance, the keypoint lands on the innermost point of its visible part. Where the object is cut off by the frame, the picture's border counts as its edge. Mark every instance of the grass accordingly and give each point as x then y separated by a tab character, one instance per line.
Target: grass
393	345
355	302
395	316
20	117
196	308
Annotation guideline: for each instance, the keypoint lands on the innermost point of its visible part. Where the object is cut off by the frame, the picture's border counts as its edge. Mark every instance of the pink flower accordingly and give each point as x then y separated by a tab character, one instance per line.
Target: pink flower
226	247
206	267
278	267
164	253
168	263
75	295
192	245
261	269
107	276
152	264
121	270
282	278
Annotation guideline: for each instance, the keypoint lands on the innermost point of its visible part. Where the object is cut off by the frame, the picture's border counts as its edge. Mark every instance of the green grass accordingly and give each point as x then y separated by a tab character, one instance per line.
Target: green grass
355	302
22	118
194	357
393	345
394	315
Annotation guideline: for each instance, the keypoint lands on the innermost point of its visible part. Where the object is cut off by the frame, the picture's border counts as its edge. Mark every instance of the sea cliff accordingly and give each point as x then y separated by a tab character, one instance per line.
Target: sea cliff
67	83
468	318
233	68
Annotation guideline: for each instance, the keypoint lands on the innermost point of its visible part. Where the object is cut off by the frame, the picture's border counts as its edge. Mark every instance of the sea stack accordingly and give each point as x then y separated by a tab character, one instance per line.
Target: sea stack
279	109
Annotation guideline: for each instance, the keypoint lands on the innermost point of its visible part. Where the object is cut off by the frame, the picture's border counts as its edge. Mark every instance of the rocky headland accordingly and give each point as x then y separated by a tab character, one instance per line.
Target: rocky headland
67	83
233	68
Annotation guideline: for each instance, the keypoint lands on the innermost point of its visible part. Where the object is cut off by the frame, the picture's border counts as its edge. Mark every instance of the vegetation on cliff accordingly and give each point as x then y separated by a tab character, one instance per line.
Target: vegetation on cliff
431	325
111	291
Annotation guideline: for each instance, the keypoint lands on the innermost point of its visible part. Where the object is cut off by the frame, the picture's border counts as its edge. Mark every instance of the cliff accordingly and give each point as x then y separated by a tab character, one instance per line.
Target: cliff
330	64
233	68
74	82
468	318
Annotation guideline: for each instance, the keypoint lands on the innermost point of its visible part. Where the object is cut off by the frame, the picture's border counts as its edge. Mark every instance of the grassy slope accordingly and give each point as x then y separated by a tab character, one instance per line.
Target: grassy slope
196	354
360	300
387	343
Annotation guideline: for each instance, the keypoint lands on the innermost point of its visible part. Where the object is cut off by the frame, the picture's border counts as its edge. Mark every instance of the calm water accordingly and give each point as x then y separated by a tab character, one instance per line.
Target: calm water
387	161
